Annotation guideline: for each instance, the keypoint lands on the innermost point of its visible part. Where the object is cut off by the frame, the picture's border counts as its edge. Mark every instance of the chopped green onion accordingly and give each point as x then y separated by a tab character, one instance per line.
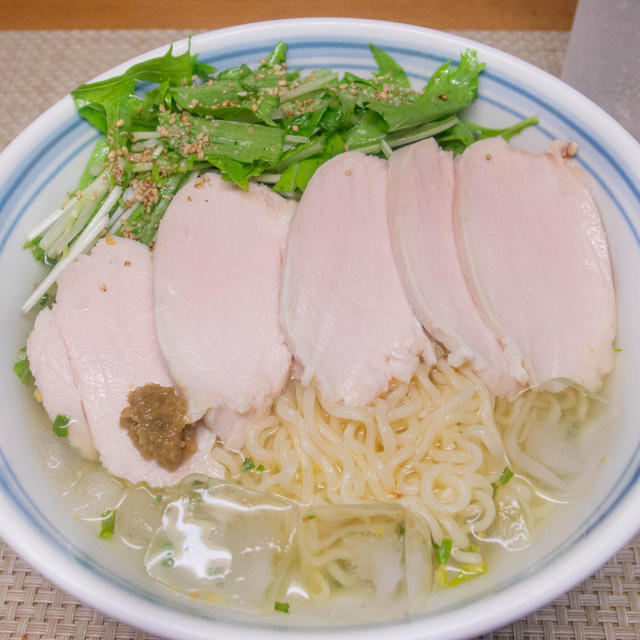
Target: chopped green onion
466	571
617	350
507	474
21	368
108	519
260	467
460	574
311	516
44	300
440	576
168	560
61	426
283	607
158	498
247	465
443	550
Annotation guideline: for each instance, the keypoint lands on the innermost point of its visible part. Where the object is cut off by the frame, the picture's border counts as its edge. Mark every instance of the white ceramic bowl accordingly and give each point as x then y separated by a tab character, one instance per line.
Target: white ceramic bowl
45	160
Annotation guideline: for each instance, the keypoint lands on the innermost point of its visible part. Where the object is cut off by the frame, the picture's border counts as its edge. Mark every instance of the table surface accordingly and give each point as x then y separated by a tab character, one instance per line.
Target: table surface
204	14
46	65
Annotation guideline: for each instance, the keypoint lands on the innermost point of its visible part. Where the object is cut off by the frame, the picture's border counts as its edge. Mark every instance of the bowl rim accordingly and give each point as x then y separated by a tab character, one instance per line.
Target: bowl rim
617	525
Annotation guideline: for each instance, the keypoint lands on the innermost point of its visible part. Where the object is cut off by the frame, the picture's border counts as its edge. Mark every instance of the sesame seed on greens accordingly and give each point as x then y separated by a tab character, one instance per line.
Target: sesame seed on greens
270	124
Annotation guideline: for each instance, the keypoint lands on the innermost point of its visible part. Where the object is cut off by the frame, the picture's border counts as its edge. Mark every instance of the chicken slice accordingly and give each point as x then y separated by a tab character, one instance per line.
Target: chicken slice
51	368
535	256
105	315
345	314
217	272
420	210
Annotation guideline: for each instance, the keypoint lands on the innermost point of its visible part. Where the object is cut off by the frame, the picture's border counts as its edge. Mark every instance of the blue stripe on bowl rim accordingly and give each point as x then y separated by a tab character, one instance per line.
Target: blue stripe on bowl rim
73	129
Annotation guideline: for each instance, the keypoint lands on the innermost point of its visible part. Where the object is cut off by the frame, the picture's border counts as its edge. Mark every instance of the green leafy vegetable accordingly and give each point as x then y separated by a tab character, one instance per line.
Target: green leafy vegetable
107	523
507	133
247	465
449	90
267	124
277	56
370	129
21	368
61	426
457	138
389	67
283	607
106	102
96	164
144	222
461	135
297	175
38	252
443	550
240	141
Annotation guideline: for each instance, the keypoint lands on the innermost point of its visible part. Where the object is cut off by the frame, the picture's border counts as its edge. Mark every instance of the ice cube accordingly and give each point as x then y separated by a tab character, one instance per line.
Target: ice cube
418	553
223	543
93	493
138	517
511	527
352	560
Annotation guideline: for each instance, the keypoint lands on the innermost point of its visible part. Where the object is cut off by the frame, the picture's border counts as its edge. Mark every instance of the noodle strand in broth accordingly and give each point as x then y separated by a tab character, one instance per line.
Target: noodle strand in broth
431	445
436	445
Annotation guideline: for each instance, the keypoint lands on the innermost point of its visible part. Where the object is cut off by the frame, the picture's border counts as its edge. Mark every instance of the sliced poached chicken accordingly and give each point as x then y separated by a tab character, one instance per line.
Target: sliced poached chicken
106	337
344	311
51	368
535	257
420	210
217	272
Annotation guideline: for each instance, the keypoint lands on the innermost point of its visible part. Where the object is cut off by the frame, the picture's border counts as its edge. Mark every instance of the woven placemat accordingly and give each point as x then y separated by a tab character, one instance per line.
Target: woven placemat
42	67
